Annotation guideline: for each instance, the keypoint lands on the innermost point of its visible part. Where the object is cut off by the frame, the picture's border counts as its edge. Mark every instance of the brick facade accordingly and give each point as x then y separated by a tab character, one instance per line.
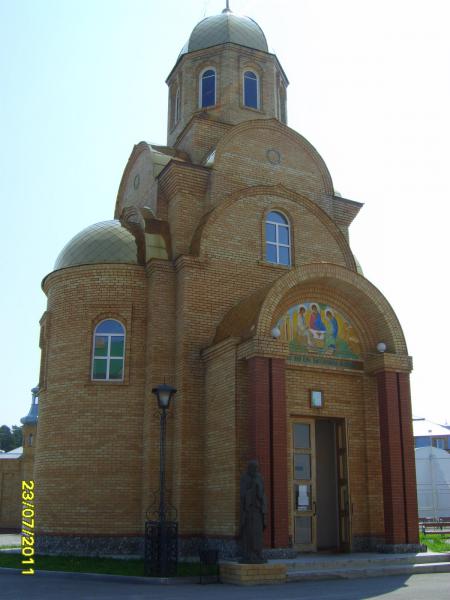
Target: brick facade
199	314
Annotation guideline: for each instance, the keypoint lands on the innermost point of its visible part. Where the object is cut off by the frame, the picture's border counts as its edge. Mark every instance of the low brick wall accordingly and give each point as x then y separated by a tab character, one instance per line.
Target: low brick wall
244	574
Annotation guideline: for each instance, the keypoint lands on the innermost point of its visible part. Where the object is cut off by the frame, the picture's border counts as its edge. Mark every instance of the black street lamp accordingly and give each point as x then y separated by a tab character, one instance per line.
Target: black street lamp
162	535
164	394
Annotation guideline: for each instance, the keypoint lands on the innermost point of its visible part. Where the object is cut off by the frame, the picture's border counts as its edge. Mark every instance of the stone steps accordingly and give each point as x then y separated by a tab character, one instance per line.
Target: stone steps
362	559
366	566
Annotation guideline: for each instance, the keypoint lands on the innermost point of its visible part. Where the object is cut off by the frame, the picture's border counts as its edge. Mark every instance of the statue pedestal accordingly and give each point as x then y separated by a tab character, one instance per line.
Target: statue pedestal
246	574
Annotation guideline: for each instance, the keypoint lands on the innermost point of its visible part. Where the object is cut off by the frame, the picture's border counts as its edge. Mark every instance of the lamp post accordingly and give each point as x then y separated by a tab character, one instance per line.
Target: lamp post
164	394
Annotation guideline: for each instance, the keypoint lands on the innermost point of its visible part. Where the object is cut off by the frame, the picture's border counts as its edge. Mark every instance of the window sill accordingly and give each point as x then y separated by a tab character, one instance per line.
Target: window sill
106	382
265	263
251	109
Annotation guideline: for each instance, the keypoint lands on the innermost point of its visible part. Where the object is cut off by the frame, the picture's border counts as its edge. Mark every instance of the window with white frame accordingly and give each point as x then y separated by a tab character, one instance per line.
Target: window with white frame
282	103
278	239
177	106
208	88
108	354
251	90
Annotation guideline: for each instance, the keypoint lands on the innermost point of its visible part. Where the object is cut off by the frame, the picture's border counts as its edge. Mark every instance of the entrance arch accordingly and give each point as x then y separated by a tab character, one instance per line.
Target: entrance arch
373	403
363	302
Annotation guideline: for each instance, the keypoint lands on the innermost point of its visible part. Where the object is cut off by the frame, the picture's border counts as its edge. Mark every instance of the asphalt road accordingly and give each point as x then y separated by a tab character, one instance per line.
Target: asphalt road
60	586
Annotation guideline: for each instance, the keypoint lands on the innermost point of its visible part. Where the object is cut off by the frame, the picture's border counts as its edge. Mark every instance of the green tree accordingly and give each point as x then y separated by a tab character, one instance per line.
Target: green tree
10	438
16	432
5	438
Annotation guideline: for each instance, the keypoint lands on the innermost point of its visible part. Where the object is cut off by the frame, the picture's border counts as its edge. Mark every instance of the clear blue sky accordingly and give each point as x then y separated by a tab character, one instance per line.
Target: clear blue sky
82	82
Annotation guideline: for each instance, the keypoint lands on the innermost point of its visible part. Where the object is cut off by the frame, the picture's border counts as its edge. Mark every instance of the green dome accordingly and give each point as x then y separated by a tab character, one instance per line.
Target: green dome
105	242
225	28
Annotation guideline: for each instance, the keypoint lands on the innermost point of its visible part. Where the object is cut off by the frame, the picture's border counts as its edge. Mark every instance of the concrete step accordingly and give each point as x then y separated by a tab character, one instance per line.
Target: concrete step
362	560
377	570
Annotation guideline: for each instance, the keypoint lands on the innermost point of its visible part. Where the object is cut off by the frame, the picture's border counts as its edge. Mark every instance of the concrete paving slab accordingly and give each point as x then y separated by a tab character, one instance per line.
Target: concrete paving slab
85	587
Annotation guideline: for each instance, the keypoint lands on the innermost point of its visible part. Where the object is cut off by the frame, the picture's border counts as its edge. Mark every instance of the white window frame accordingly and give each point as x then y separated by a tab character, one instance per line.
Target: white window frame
108	356
258	88
200	88
277	243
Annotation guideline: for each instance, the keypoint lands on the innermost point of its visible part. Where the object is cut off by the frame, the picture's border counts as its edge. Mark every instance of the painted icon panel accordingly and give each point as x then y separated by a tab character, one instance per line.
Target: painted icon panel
319	329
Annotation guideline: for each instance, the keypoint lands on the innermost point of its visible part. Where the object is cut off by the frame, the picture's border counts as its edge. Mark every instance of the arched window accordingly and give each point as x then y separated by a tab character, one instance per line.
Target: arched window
282	103
278	239
208	88
109	351
177	106
251	90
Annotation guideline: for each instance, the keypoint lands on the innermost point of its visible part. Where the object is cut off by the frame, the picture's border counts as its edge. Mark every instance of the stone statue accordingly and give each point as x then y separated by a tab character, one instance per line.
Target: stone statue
253	514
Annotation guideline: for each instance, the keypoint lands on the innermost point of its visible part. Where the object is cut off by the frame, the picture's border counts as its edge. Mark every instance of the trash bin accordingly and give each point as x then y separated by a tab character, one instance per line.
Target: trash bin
208	558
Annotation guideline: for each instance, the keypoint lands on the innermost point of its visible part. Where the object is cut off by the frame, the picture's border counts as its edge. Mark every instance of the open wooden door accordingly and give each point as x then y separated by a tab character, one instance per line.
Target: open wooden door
304	485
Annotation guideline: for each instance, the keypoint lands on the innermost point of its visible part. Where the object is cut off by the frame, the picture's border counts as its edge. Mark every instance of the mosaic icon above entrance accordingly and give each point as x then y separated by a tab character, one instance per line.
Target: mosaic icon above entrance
313	328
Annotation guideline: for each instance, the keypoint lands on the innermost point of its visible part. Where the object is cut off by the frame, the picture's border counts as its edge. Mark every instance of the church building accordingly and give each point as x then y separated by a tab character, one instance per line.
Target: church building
227	273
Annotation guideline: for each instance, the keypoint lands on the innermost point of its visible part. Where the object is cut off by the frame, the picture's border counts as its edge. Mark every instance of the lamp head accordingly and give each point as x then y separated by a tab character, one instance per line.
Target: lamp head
164	394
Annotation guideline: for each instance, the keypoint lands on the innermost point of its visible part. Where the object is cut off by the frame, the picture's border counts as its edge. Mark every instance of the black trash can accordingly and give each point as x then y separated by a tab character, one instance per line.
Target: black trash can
208	558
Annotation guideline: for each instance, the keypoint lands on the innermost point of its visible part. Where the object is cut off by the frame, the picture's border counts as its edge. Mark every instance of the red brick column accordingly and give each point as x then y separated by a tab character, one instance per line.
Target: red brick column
397	458
280	516
409	460
268	442
259	428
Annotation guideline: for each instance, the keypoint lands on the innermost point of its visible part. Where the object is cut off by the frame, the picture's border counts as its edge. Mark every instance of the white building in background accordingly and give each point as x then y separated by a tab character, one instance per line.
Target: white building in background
427	433
432	449
433	482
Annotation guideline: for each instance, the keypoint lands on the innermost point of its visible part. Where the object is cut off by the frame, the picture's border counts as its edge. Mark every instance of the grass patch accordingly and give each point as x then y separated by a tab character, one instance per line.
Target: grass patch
78	564
12	547
82	564
436	542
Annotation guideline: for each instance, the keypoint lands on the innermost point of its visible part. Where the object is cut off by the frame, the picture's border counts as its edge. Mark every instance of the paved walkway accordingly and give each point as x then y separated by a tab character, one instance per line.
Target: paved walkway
59	586
74	586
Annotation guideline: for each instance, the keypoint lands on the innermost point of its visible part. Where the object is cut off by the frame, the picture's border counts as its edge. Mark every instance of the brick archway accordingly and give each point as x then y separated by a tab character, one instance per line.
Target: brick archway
370	306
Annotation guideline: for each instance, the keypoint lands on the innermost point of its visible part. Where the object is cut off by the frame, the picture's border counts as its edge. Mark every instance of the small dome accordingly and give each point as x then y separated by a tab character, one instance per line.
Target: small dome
32	416
105	242
223	28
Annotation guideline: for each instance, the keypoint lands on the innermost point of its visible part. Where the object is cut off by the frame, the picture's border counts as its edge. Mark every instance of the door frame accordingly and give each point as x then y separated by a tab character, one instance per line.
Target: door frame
342	478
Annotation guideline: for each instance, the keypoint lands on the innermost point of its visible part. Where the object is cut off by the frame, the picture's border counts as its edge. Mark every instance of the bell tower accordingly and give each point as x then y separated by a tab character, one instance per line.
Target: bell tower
225	73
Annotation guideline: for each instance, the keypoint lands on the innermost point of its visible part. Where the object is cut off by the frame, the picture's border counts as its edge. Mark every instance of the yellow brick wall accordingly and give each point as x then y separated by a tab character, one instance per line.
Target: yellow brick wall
349	396
88	466
239	232
160	367
220	443
98	437
10	493
242	156
230	62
